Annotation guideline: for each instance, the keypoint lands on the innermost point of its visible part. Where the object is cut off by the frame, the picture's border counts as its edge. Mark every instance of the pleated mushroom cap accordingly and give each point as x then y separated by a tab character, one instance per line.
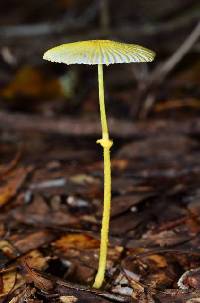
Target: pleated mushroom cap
99	52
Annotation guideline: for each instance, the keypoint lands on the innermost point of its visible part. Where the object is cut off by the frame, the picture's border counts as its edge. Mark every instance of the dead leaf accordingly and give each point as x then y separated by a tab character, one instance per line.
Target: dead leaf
24	243
123	203
7	168
39	281
16	180
177	103
160	279
190	279
78	241
68	299
36	260
160	261
31	82
43	215
11	281
7	249
158	148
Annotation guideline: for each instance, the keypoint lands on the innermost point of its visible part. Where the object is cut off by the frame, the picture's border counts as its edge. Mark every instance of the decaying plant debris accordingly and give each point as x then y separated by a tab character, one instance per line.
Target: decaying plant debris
50	173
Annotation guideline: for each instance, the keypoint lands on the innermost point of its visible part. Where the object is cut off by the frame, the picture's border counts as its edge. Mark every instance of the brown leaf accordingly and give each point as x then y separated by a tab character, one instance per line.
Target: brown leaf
36	260
31	82
8	191
159	260
190	279
7	249
177	103
158	148
78	241
11	280
24	243
123	203
7	168
32	276
43	215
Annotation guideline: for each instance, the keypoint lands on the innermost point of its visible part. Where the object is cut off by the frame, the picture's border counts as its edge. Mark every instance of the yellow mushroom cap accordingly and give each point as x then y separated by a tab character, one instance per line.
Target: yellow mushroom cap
99	52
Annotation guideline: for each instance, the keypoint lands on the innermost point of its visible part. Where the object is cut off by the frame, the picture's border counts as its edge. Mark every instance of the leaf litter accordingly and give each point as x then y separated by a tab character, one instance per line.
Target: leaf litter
51	188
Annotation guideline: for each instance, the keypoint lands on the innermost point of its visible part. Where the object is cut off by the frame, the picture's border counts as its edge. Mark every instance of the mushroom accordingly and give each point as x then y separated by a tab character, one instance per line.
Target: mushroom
101	52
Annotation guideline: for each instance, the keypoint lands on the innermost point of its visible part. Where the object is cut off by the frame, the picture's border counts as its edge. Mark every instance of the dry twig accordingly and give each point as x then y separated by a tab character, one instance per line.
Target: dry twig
83	127
162	71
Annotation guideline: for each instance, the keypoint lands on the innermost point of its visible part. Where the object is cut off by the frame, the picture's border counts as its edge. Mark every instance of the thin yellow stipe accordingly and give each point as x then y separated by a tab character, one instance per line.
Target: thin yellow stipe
102	103
106	143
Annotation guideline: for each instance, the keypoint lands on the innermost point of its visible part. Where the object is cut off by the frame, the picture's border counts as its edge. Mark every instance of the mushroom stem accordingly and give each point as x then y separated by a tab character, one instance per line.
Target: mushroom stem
106	143
102	102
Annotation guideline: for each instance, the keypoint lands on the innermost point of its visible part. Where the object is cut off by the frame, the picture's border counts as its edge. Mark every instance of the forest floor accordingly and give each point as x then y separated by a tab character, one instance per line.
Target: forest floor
51	178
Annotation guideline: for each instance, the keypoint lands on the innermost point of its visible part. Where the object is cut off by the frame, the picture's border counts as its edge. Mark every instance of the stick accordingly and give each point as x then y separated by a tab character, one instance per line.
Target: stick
82	127
161	72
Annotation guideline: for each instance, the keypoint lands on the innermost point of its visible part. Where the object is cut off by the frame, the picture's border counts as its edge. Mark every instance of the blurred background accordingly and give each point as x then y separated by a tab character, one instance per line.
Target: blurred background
133	91
51	169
